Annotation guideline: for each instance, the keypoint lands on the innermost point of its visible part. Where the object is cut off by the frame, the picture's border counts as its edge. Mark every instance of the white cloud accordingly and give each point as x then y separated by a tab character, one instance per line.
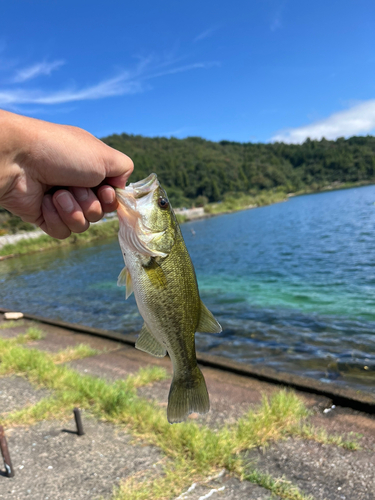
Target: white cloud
127	82
106	88
42	68
182	69
357	120
204	34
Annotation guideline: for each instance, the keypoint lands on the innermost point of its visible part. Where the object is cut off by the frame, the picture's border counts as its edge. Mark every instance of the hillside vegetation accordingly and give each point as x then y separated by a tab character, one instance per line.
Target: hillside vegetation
194	170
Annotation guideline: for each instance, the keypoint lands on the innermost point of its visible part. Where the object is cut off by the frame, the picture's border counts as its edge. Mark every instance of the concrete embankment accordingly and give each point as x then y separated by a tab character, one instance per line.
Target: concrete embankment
10	239
51	461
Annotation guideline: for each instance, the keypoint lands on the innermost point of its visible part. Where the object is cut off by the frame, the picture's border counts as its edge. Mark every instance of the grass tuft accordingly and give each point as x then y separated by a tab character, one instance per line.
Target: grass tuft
72	353
173	479
278	486
279	415
34	333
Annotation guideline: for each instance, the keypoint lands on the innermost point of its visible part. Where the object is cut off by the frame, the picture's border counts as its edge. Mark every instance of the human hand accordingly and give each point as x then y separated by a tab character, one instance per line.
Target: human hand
37	157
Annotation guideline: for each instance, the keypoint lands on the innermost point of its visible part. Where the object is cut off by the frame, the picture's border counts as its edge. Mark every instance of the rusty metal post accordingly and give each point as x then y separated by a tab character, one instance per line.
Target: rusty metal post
5	453
77	416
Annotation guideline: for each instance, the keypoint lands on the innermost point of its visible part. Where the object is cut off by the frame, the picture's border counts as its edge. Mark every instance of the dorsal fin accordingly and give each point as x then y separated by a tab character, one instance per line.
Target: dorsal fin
147	343
124	279
207	323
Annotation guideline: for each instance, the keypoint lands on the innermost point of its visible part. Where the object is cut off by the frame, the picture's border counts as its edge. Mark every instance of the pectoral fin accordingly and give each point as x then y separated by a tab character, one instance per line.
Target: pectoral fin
207	323
124	279
147	343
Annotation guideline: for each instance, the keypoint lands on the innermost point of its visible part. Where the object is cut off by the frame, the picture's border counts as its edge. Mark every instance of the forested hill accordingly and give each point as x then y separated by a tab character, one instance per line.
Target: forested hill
193	167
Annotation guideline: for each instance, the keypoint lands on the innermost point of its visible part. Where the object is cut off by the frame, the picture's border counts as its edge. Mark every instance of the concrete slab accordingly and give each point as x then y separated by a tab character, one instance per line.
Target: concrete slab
17	392
53	463
20	326
117	364
57	339
325	472
348	423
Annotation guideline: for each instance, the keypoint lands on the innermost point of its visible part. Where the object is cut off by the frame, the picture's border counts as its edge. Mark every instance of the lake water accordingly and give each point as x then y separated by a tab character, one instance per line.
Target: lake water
292	284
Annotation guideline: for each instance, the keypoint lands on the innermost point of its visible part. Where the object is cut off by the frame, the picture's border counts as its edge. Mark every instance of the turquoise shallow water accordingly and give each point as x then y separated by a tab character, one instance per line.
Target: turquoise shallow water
292	284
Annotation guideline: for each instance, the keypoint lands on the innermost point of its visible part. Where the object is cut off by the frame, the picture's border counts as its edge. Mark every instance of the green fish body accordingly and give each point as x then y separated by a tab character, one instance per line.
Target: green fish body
160	272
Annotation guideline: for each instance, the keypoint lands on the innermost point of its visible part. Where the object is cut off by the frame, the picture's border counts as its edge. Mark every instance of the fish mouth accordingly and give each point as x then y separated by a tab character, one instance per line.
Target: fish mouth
132	201
144	186
136	190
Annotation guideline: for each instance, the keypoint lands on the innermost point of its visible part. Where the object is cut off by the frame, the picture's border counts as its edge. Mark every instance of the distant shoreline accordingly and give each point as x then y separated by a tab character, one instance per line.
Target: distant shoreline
36	241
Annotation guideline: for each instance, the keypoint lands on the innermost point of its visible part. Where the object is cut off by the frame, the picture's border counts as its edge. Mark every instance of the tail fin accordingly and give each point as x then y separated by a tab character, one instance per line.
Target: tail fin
187	395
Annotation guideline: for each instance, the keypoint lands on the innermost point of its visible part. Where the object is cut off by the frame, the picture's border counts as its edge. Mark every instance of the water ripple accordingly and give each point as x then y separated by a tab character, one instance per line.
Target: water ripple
292	284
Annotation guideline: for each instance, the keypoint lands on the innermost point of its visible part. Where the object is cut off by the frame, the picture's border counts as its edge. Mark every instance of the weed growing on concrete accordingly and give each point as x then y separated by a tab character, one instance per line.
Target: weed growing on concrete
72	353
10	324
34	333
196	451
307	431
168	483
279	486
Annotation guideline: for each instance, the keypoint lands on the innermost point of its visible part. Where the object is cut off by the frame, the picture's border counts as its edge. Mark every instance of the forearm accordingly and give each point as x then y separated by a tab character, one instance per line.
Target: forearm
13	146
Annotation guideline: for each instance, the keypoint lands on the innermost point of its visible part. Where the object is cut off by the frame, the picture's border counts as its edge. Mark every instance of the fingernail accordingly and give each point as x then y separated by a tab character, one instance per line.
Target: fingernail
48	203
108	196
80	194
65	202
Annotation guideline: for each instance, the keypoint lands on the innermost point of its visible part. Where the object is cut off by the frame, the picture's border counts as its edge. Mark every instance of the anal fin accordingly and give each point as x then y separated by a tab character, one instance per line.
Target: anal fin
147	343
207	322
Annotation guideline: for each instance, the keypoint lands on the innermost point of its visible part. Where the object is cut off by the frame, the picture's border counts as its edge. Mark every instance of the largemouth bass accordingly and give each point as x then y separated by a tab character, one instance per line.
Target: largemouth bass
159	270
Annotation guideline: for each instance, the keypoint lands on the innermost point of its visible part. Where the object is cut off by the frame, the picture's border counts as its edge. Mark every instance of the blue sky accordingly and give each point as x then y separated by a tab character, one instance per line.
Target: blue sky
238	70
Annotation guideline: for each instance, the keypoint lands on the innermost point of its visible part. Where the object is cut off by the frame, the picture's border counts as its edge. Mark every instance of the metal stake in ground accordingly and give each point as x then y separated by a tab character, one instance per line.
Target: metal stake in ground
5	453
77	416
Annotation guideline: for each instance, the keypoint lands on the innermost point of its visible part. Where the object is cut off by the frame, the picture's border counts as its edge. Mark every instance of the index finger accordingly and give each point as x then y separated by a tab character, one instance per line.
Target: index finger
118	169
119	181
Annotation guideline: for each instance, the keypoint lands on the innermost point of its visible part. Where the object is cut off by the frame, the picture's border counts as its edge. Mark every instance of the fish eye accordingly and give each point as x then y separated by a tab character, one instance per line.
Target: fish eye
163	202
